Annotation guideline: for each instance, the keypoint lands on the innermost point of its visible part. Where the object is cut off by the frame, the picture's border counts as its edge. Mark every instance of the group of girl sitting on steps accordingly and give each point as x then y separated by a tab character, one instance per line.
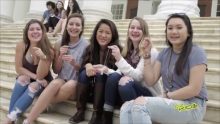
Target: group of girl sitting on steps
101	72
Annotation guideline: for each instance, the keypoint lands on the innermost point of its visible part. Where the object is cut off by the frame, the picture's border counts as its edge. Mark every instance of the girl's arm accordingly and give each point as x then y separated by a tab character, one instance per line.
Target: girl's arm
196	78
20	47
58	62
44	65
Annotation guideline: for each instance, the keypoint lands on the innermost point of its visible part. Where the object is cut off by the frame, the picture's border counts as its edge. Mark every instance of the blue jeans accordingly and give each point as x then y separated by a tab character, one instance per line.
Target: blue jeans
84	79
163	111
21	99
111	89
132	90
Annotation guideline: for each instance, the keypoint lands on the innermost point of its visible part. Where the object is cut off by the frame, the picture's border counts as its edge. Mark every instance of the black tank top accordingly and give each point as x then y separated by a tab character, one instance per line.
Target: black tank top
33	69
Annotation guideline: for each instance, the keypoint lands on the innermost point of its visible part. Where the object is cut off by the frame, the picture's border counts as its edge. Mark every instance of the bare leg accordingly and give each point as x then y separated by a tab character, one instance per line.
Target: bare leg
45	99
68	90
63	25
57	28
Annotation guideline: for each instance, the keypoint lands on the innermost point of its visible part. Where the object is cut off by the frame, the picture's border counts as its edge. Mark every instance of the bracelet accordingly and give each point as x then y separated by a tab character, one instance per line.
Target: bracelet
147	56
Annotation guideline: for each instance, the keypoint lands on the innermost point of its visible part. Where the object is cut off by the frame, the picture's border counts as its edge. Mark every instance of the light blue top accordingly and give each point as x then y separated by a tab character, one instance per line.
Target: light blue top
68	72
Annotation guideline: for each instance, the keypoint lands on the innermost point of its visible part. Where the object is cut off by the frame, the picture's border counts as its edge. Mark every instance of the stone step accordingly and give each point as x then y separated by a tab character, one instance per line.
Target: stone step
215	49
197	28
44	118
123	22
213	111
213	88
211	76
126	21
213	91
67	107
156	41
216	30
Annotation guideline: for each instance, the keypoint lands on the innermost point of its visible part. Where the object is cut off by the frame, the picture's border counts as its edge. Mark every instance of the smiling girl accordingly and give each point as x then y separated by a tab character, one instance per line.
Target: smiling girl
32	63
67	62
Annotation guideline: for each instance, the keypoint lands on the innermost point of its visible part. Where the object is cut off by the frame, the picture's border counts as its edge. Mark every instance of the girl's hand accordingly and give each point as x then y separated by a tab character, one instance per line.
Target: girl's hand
90	70
115	52
64	50
101	69
145	46
69	59
36	51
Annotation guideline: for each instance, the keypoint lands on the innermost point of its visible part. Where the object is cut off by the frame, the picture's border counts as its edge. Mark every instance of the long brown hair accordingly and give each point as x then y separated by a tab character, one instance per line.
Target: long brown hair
44	44
66	36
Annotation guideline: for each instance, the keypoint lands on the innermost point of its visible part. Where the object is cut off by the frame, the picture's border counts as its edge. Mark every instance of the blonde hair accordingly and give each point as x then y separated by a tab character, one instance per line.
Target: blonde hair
128	44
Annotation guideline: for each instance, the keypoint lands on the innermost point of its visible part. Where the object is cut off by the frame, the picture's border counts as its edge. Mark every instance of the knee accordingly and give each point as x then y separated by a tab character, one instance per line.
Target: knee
83	78
69	86
124	88
126	107
23	80
34	87
57	83
113	78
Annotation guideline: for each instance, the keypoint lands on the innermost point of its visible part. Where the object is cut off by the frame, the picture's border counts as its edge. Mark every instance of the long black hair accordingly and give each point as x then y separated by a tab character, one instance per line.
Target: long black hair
188	44
75	7
92	55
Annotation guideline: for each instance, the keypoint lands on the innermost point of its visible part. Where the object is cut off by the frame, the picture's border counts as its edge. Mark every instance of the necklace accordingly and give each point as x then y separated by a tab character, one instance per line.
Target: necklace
170	71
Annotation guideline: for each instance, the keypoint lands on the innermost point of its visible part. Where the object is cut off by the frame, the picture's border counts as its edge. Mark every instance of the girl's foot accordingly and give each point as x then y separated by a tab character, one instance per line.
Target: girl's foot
26	122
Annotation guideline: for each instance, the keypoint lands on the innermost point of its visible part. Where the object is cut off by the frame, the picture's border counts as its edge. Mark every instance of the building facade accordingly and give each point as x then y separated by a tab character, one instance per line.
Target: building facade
21	10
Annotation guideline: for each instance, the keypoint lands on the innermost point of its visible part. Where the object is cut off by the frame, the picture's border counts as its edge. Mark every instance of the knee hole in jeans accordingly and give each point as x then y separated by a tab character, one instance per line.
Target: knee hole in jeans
34	87
23	80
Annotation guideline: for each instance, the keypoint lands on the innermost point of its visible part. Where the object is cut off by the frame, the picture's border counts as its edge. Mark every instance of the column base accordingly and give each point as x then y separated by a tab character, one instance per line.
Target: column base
96	15
6	19
33	15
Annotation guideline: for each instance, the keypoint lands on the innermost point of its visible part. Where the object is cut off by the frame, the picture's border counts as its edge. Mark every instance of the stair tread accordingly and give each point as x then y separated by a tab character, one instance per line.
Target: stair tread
47	118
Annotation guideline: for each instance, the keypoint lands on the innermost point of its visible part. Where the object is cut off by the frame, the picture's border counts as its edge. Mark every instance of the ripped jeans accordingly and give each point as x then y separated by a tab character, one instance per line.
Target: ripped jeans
163	111
22	97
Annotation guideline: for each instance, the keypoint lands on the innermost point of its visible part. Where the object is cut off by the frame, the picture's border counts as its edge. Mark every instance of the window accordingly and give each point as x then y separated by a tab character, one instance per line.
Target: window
117	11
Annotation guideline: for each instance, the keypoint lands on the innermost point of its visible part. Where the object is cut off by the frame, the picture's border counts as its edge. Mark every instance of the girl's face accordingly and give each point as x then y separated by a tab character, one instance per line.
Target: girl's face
135	32
59	5
70	4
74	27
35	33
177	32
104	35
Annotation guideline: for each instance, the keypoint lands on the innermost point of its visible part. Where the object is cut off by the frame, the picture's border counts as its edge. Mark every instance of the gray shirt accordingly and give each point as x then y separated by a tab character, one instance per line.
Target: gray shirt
171	81
68	72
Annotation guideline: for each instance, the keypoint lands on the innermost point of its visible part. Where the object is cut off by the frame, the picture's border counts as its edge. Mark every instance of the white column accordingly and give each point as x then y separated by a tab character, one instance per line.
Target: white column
94	10
144	7
37	7
6	10
21	9
167	7
214	8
